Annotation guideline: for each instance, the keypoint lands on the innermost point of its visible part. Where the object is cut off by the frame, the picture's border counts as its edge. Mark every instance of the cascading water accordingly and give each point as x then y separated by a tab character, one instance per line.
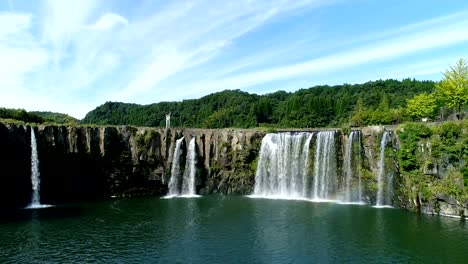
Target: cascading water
305	150
324	166
35	175
282	170
188	181
351	194
174	182
383	199
359	167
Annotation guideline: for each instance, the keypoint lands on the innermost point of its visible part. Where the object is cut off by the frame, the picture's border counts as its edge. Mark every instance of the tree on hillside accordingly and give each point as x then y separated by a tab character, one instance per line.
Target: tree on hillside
453	89
360	114
421	105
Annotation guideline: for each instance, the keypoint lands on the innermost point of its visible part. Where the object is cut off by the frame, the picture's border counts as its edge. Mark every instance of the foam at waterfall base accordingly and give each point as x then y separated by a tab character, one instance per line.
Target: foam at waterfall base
277	197
189	196
321	200
351	203
169	197
382	206
38	206
181	196
293	198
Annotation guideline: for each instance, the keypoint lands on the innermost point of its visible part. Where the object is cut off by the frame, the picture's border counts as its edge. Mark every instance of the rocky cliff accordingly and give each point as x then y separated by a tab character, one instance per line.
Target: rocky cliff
79	163
87	163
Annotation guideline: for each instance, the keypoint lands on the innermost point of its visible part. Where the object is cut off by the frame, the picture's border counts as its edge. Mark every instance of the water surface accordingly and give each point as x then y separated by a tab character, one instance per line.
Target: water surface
221	229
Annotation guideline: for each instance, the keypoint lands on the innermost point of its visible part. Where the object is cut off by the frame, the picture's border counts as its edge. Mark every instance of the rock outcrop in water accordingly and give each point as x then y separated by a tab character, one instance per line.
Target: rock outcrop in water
88	163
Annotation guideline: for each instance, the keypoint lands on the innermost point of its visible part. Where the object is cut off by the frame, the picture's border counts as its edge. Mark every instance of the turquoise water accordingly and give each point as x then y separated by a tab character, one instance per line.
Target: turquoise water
229	230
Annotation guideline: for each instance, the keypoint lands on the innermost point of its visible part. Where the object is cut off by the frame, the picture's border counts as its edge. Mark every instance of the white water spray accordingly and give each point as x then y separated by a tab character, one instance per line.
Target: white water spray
188	182
35	175
282	170
324	166
383	199
174	182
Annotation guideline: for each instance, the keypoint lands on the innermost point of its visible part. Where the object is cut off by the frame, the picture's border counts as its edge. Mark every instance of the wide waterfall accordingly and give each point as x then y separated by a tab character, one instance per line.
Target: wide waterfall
352	187
282	170
188	182
174	182
383	198
325	174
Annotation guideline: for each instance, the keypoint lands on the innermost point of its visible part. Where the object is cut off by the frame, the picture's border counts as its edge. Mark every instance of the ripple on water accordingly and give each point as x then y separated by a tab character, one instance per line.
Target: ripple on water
229	230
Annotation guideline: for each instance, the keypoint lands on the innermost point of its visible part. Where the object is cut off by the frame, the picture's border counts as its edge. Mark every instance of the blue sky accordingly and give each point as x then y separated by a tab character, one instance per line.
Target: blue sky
71	56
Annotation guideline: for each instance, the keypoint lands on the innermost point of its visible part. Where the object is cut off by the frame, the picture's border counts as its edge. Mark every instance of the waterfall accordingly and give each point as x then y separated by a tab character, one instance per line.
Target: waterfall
324	166
382	201
35	175
305	151
358	168
352	156
174	182
282	170
348	170
188	181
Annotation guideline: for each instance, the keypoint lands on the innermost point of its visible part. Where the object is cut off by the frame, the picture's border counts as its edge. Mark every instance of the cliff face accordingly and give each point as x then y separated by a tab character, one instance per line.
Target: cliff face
15	166
88	163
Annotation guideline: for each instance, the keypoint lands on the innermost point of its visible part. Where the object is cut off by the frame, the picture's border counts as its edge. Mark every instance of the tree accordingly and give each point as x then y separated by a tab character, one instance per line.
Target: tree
360	114
453	89
421	105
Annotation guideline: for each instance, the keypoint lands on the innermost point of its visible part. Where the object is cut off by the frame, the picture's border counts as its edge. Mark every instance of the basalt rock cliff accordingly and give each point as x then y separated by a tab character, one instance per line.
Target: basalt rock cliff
80	163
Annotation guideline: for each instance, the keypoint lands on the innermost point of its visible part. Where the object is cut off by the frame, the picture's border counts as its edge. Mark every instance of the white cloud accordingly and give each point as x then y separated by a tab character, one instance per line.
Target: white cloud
429	35
73	55
19	56
108	21
187	35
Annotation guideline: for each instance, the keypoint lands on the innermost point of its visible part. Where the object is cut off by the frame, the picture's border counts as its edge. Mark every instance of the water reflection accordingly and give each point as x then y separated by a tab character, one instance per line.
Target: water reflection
230	230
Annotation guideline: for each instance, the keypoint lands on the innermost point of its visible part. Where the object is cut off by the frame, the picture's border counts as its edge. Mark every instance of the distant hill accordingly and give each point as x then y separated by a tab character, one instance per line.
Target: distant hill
379	102
58	118
35	116
20	115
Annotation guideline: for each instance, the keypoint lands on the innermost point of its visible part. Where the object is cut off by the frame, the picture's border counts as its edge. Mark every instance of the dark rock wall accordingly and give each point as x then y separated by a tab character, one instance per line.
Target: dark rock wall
89	163
15	166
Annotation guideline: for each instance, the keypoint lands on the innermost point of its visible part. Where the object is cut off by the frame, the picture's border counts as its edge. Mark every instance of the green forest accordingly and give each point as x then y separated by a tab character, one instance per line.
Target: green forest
37	117
377	102
381	102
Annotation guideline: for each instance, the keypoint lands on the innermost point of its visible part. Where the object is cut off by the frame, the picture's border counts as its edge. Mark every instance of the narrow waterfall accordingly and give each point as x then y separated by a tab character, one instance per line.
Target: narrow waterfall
324	166
35	175
352	157
174	182
383	199
188	181
305	151
282	170
359	167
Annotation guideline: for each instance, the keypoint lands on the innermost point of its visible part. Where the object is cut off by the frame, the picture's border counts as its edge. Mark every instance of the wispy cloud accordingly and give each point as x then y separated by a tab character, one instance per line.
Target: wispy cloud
412	39
196	34
18	52
71	56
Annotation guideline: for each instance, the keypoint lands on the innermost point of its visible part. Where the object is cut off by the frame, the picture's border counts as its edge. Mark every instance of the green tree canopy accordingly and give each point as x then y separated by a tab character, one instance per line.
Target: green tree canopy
376	102
421	105
453	89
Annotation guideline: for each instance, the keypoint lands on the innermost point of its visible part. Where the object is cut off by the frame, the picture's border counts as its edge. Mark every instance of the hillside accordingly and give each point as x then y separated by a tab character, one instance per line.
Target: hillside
53	117
377	102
